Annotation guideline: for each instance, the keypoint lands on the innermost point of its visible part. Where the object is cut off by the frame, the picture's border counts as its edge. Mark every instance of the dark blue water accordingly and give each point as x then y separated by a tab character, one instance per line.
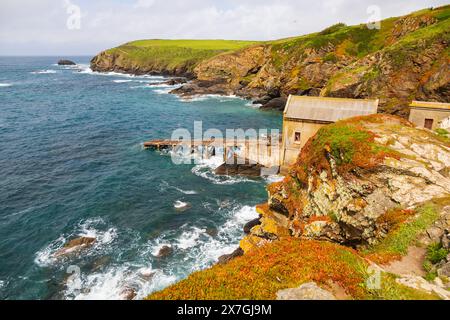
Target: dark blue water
72	164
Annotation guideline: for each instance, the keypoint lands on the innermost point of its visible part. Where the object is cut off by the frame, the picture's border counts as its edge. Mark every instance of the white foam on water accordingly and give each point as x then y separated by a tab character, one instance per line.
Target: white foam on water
164	185
44	72
122	81
4	85
274	178
156	248
206	169
204	97
48	255
180	204
188	239
198	249
86	69
117	282
253	105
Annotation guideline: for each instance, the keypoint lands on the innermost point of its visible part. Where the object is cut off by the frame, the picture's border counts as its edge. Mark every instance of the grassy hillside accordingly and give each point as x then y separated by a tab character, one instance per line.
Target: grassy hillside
288	263
166	55
406	59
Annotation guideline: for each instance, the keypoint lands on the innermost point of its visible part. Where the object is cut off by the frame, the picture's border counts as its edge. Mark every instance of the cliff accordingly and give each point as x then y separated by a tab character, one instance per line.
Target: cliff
367	193
162	57
407	59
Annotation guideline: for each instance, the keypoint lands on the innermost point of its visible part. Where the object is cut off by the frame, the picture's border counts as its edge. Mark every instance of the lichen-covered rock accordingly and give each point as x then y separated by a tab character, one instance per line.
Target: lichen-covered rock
352	177
307	291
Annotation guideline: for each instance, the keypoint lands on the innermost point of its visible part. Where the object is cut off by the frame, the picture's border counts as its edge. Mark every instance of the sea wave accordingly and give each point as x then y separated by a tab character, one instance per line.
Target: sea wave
164	185
202	248
49	71
118	283
4	85
206	169
86	69
122	81
253	105
89	228
204	97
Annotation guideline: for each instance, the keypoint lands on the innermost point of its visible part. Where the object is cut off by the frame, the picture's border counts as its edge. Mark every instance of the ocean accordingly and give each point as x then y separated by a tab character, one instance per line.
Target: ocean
72	164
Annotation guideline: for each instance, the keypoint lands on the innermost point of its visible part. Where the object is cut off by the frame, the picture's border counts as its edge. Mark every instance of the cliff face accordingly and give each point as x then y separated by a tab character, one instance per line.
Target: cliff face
367	194
163	57
408	58
354	181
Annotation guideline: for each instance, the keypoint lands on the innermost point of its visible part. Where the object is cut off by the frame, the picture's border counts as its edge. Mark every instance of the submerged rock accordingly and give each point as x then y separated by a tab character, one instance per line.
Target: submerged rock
239	168
181	206
307	291
170	82
165	252
66	63
76	245
128	294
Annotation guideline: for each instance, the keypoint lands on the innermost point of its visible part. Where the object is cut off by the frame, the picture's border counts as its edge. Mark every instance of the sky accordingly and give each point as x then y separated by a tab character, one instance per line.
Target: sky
86	27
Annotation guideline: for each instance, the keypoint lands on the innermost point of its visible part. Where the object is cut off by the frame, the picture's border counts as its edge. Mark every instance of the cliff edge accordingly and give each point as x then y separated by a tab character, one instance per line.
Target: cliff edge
367	194
406	59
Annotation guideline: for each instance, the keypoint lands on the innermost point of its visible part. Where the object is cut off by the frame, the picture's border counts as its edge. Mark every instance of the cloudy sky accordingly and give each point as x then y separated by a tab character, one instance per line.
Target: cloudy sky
54	27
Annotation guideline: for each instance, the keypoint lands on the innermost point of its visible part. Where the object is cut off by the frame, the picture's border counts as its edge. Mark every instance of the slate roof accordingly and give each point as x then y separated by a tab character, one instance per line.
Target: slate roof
328	109
430	105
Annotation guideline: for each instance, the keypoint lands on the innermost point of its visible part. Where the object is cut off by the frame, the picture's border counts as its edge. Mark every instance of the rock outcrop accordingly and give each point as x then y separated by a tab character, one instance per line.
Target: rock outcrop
353	180
407	59
308	291
75	246
66	63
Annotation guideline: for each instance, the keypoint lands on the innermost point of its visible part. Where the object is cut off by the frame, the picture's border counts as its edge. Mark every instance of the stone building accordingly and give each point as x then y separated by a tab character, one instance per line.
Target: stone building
430	115
304	116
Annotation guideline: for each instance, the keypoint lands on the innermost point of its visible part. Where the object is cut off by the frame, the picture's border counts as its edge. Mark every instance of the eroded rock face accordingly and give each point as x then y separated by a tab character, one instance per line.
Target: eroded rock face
406	60
350	206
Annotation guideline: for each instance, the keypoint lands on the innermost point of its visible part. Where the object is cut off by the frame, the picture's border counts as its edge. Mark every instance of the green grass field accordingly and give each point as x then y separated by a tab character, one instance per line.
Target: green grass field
215	45
173	54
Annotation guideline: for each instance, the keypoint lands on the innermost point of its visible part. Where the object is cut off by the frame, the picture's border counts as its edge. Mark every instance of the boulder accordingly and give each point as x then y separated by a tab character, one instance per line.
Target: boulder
170	82
277	104
164	252
128	294
76	245
444	271
64	62
249	225
307	291
228	257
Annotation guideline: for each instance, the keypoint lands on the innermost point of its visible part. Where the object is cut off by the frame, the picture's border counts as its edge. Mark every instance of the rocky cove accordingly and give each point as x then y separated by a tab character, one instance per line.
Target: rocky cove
407	59
366	194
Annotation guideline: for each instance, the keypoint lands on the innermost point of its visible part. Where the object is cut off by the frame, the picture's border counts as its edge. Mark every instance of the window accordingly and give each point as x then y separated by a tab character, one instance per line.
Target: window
429	123
297	137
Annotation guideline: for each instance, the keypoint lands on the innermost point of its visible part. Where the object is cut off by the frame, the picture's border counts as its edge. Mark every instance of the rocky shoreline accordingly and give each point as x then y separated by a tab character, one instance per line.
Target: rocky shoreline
406	60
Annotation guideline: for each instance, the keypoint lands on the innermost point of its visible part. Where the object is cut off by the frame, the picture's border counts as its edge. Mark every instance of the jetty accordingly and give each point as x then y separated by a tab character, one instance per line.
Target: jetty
240	156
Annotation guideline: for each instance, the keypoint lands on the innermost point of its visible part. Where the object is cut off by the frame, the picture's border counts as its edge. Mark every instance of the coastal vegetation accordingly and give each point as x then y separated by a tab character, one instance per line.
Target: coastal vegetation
406	59
349	206
169	56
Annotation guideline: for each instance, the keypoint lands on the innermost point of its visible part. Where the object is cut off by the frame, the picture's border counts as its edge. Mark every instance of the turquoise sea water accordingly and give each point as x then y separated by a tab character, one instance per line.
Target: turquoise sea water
72	164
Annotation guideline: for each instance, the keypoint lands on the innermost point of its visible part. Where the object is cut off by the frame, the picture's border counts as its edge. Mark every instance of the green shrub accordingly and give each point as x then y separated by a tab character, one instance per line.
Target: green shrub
435	253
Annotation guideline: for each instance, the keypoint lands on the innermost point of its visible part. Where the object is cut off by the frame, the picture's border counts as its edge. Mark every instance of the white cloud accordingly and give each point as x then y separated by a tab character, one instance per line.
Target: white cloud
40	26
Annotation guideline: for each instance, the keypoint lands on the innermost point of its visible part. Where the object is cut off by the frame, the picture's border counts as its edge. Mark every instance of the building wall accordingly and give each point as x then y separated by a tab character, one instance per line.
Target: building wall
291	149
418	116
